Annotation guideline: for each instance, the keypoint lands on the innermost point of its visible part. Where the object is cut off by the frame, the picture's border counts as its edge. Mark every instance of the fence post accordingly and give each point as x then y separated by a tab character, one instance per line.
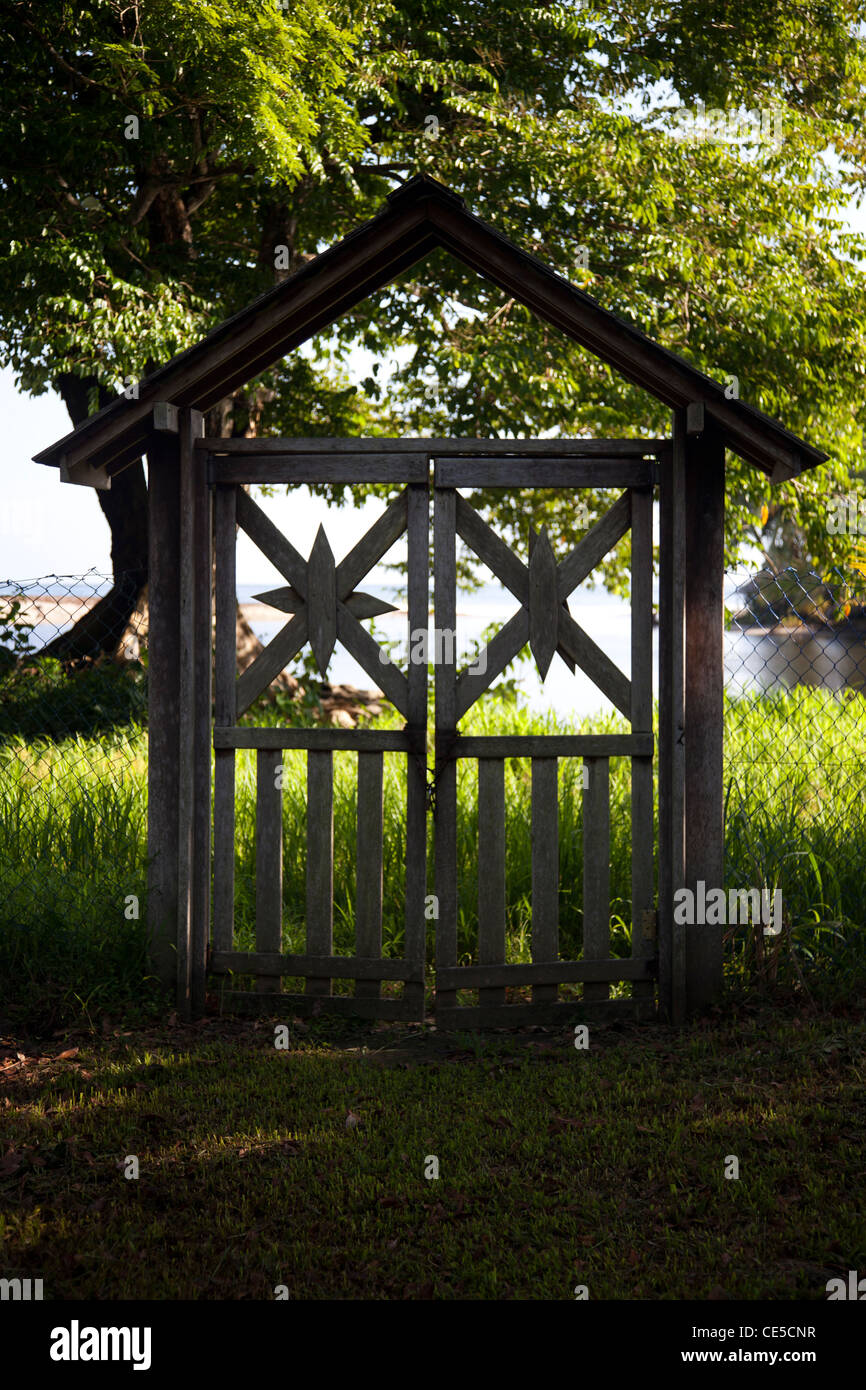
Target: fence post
672	547
704	699
163	683
194	678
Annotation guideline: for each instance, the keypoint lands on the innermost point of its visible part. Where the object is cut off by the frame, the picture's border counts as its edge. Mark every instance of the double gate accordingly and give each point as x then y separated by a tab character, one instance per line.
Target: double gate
325	605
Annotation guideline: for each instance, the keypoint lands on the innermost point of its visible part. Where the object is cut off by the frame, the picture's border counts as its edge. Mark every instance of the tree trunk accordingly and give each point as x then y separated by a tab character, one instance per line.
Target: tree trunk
124	505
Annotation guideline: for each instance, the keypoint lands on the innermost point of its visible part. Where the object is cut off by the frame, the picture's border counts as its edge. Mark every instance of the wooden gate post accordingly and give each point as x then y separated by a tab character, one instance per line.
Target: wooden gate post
671	751
704	698
163	687
193	766
179	696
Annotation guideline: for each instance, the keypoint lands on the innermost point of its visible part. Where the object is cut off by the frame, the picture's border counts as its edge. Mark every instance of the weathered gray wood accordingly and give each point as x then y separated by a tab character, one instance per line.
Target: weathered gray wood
186	746
591	550
305	1006
368	868
322	601
506	643
373	545
319	468
224	849
269	861
491	874
270	662
225	669
437	448
482	977
367	652
566	473
672	550
497	556
596	870
595	663
348	740
163	705
84	475
360	968
225	595
642	829
271	542
288	600
704	707
320	863
696	417
554	1014
545	870
445	599
418	527
166	418
544	611
202	637
554	745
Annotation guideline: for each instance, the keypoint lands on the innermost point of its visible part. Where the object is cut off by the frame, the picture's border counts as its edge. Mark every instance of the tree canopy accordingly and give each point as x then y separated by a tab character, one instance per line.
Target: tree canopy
163	162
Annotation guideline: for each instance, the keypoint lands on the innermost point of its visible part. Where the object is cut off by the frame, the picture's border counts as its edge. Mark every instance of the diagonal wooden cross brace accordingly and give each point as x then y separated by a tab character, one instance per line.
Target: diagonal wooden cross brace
321	595
542	589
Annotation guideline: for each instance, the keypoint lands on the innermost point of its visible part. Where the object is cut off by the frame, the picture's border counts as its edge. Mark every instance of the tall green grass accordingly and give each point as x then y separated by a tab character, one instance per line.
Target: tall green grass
73	837
73	848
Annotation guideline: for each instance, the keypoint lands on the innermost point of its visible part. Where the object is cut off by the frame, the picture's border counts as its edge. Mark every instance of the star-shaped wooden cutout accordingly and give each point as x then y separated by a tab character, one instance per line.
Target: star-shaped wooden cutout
320	602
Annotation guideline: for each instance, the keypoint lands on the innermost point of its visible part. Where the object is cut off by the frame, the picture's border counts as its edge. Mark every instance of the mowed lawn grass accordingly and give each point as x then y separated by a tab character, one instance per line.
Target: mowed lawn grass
558	1167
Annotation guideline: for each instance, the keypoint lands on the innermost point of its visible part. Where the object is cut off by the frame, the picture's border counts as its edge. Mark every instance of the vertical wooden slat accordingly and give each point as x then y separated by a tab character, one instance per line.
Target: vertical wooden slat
545	870
704	703
163	704
672	548
269	861
320	863
418	528
368	873
444	576
225	667
491	871
641	721
596	869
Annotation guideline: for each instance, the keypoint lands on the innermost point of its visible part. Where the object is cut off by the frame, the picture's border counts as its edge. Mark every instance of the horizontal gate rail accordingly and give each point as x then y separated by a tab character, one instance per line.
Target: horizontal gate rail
561	972
564	472
438	448
319	468
546	745
334	740
322	967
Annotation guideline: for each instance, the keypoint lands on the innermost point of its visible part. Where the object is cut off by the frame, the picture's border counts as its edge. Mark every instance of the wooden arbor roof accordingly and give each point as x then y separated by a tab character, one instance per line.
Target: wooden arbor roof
417	218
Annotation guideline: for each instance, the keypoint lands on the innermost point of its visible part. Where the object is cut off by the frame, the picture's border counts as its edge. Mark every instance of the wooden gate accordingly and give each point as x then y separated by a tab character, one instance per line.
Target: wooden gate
544	622
325	605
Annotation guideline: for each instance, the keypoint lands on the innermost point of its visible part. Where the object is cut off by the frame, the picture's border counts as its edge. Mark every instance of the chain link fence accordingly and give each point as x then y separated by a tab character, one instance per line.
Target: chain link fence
73	796
73	772
795	737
